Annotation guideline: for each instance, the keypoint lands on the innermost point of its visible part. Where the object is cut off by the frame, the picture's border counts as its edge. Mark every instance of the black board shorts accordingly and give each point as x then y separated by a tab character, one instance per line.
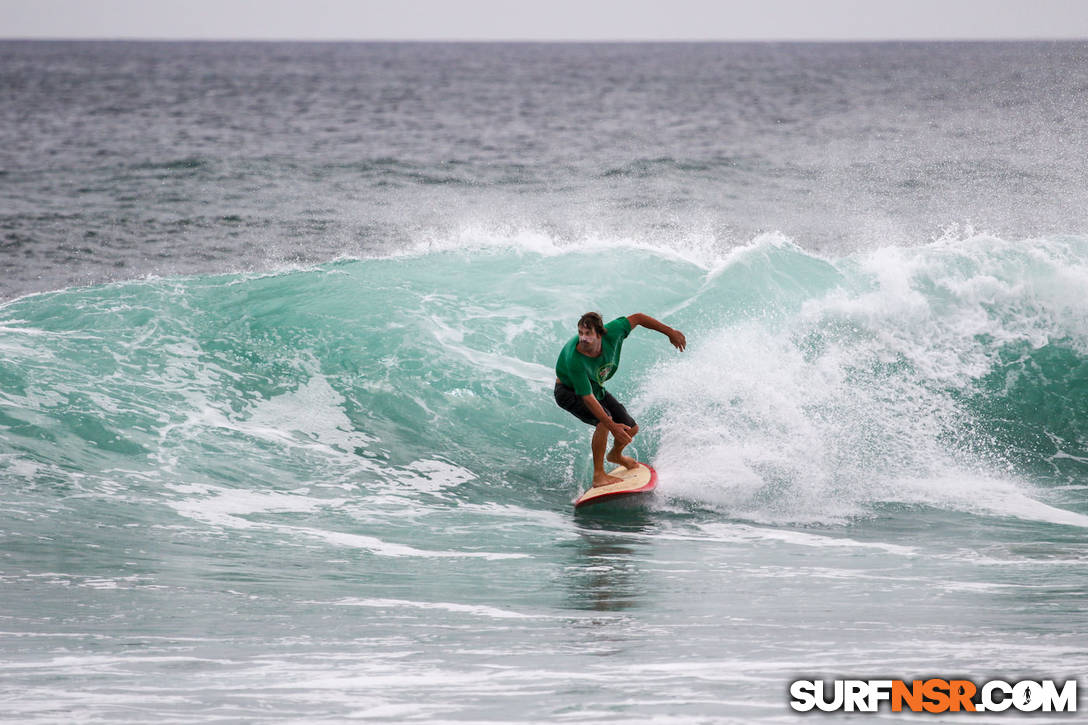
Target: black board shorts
571	402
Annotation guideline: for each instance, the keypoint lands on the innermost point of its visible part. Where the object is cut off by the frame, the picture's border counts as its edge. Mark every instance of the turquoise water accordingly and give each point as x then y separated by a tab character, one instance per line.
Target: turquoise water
343	492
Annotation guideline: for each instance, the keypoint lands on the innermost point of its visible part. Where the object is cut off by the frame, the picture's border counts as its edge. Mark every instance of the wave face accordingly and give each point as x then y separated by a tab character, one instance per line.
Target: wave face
813	387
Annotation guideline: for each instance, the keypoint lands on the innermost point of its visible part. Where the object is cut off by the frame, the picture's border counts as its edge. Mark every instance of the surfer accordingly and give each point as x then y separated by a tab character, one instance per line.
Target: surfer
584	364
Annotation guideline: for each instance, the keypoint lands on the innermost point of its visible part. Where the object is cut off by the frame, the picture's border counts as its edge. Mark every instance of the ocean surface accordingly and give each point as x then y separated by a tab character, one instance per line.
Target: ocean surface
278	325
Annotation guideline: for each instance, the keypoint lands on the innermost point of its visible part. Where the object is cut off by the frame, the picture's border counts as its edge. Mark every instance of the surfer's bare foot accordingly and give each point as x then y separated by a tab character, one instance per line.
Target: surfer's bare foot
625	461
603	479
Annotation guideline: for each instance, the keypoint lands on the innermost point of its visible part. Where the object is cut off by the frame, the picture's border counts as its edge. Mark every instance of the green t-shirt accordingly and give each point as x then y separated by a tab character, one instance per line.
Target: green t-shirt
585	374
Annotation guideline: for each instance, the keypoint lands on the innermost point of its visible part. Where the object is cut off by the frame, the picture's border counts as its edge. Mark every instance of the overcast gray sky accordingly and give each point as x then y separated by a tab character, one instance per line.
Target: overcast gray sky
545	19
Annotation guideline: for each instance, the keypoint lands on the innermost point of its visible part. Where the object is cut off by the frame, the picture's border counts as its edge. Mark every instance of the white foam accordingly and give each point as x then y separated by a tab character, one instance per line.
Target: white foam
980	494
225	508
695	247
386	548
808	417
745	534
312	415
539	376
475	610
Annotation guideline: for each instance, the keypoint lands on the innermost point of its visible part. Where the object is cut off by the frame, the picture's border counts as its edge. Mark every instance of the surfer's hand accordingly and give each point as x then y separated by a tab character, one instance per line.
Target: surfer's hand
619	432
677	339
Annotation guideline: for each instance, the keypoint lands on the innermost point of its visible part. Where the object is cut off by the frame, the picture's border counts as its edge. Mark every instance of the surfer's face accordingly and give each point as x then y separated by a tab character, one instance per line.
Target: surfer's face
588	340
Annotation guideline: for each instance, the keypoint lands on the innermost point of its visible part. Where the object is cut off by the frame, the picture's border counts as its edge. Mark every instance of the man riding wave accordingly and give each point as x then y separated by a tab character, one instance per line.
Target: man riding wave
585	363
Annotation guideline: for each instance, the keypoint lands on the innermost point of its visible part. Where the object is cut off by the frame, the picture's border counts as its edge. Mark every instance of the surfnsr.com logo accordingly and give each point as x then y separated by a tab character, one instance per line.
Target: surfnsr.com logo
933	695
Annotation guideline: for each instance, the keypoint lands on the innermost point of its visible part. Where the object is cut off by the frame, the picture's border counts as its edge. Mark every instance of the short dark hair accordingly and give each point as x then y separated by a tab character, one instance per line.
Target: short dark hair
592	321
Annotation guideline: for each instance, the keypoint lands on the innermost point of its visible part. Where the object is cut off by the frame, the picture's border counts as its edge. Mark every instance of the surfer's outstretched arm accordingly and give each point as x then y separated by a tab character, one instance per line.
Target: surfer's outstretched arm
675	336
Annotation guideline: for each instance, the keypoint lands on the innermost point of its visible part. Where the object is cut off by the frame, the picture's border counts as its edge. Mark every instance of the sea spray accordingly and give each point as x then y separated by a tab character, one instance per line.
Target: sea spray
811	404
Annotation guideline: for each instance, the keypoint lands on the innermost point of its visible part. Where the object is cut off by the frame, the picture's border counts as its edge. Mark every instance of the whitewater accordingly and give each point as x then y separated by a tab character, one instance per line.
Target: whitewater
277	438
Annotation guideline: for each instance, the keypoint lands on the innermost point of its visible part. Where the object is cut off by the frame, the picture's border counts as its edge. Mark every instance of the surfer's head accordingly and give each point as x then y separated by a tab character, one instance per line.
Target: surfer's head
592	322
590	331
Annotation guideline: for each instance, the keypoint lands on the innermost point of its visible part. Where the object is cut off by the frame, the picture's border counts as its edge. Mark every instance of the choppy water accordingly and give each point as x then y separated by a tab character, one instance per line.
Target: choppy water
276	433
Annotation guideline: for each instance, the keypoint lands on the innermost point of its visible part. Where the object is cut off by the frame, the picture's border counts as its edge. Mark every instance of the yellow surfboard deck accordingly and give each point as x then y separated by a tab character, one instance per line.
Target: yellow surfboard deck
639	480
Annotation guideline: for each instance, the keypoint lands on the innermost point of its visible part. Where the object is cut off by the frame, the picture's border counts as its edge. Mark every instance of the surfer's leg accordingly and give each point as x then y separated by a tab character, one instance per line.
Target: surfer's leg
616	454
600	440
570	402
620	415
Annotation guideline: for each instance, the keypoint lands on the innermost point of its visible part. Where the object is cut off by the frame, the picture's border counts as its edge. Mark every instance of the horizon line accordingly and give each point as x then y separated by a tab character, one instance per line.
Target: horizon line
529	41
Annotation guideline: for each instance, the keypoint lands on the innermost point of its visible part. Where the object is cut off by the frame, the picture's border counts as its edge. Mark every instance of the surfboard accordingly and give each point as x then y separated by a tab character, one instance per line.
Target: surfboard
638	481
